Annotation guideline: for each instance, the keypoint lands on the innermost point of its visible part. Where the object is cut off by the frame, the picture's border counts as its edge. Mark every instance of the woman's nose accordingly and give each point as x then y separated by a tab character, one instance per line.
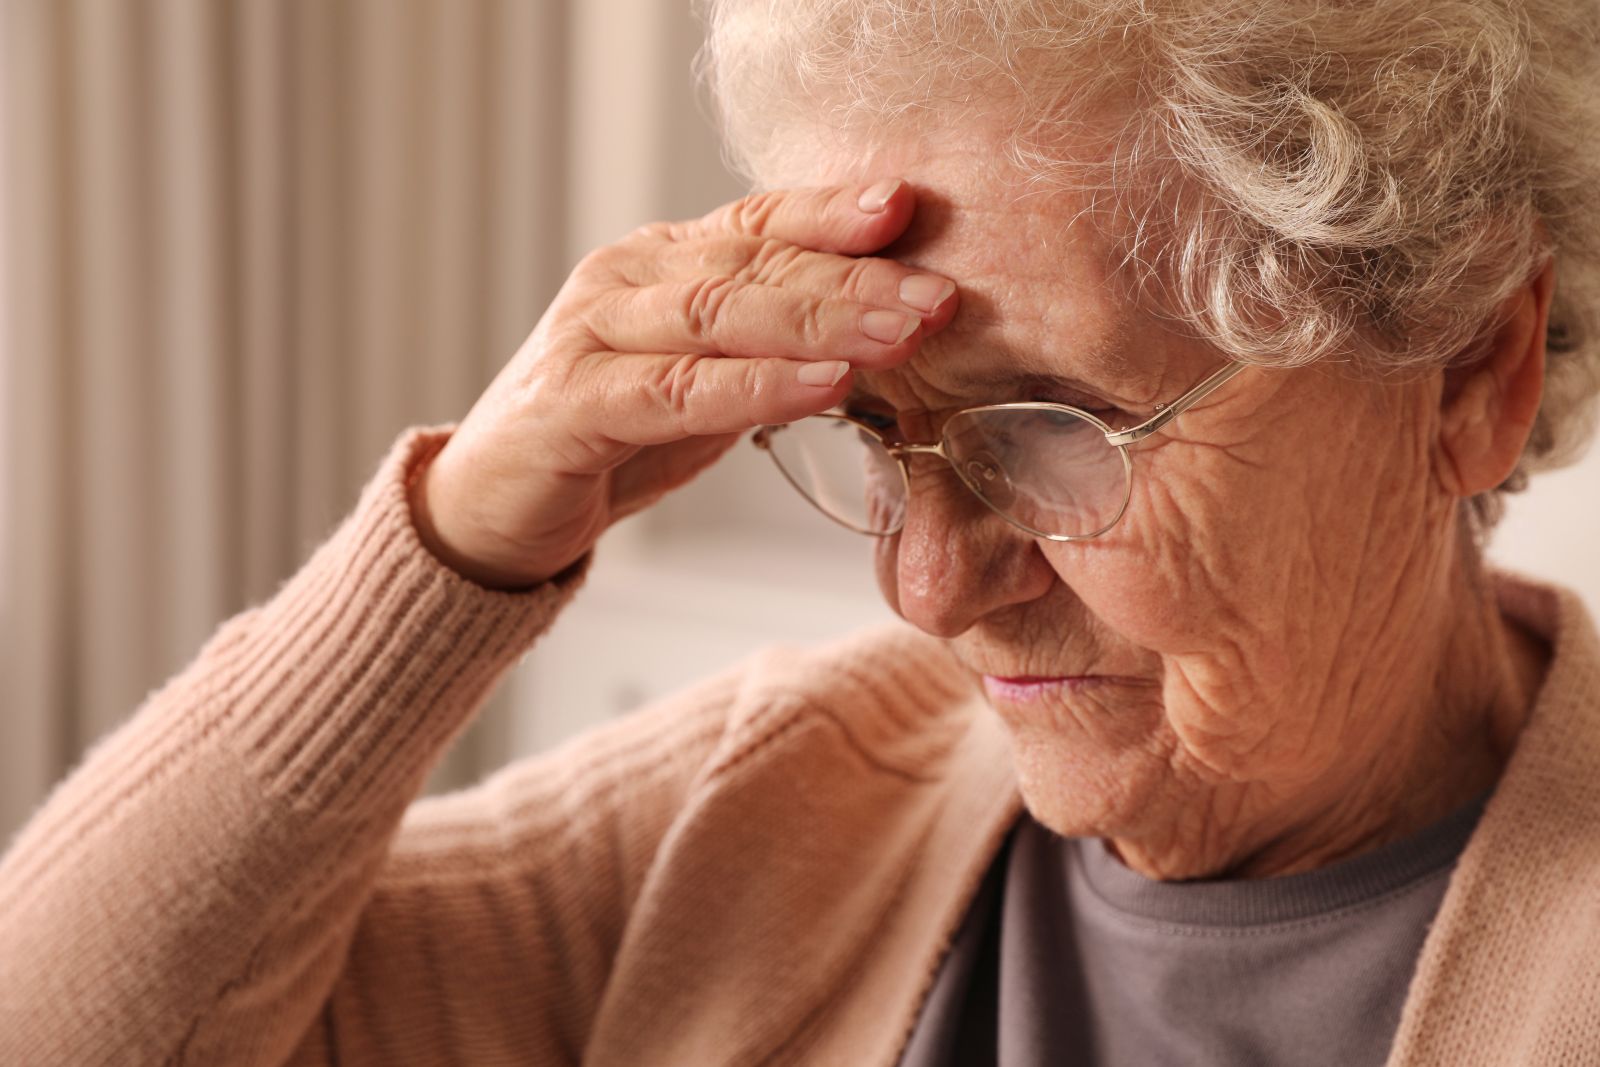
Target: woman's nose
955	561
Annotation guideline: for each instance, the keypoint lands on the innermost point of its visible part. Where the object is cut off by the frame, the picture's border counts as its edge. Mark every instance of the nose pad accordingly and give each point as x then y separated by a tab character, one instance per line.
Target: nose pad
983	472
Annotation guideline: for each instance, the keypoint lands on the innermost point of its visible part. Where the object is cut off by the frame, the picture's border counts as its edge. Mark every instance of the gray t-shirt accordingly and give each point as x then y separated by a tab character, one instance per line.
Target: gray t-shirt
1068	958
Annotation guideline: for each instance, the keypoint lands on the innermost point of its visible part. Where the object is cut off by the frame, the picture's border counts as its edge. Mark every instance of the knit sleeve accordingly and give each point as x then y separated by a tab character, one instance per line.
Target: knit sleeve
189	893
499	911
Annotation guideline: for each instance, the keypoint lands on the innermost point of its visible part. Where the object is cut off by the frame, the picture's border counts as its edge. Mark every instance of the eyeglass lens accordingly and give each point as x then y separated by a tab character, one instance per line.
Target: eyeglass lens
1048	470
843	470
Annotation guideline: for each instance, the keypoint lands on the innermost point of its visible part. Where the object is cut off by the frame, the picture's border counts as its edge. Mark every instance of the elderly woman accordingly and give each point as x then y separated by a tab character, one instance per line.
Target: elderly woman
1176	355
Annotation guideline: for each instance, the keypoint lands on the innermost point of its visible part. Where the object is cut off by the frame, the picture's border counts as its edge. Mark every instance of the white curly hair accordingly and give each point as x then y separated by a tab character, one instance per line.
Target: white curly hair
1303	179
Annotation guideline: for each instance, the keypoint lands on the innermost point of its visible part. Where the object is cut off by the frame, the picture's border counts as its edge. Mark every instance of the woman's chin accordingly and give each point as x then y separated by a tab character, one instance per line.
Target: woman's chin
1091	769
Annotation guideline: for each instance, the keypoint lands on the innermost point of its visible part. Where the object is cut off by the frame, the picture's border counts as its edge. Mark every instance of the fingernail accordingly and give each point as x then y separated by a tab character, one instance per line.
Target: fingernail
876	198
925	291
888	327
826	374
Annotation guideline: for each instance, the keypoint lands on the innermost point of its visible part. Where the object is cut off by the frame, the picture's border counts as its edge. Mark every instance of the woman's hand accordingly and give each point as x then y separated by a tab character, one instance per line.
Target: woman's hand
656	355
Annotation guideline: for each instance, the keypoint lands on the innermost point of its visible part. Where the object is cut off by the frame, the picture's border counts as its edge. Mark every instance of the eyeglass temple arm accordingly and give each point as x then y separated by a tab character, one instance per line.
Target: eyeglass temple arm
1165	415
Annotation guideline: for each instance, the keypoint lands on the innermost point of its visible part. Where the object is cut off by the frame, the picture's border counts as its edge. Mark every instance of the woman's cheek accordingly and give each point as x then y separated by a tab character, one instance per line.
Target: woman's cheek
1147	578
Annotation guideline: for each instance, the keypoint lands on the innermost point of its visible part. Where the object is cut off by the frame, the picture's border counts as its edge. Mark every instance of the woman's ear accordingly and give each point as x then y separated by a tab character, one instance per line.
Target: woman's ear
1489	406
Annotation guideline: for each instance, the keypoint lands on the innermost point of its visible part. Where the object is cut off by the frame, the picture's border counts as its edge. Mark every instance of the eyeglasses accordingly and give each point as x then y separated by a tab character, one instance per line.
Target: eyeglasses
1050	470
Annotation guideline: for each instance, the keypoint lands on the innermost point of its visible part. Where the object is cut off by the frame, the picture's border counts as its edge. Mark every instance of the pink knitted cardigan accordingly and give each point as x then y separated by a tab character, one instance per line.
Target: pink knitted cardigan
765	869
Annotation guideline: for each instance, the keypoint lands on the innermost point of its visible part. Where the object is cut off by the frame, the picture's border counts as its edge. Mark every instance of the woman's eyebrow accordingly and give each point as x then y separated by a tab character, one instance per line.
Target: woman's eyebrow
1017	380
1035	380
1013	367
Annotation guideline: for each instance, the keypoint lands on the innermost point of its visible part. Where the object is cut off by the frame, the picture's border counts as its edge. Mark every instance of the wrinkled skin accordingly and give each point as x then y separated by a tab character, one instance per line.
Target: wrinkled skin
1284	653
1297	658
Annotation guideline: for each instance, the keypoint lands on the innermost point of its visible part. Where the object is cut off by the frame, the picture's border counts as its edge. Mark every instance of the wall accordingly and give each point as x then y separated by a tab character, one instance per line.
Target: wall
1553	530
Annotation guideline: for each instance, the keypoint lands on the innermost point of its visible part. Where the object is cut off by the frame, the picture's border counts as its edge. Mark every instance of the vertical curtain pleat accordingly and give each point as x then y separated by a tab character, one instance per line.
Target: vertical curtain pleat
381	189
192	243
451	288
37	727
319	357
264	78
113	366
525	78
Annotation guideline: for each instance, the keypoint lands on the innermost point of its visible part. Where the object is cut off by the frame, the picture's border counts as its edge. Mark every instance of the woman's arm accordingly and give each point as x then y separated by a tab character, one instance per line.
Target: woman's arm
189	893
498	914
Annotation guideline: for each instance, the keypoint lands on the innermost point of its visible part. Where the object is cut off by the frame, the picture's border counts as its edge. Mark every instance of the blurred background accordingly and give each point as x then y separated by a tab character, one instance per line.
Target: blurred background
247	242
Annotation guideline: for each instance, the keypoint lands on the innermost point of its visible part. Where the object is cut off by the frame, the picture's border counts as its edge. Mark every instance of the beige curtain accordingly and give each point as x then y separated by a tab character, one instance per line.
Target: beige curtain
246	243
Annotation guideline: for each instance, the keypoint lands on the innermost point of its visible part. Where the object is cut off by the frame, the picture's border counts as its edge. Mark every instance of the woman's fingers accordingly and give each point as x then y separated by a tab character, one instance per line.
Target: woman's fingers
722	315
853	220
641	400
770	261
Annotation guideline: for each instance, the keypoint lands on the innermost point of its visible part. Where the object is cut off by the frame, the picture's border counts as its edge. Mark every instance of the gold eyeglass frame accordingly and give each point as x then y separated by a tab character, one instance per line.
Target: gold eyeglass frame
1119	439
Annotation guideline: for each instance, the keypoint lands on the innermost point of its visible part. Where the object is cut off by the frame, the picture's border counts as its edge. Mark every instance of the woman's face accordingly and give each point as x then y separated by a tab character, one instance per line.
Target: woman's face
1242	643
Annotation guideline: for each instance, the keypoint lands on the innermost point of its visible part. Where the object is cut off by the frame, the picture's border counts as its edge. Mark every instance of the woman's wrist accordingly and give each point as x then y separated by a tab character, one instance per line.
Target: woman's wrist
423	519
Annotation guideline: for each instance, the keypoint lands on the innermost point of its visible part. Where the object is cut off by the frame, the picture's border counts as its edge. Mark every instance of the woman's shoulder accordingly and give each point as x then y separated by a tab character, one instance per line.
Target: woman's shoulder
887	697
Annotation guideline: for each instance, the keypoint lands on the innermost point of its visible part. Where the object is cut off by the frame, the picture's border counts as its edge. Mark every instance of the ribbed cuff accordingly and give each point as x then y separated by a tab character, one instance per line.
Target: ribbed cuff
346	688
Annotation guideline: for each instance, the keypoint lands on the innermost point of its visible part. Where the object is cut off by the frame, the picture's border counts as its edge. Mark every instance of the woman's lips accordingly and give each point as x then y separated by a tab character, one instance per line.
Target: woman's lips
1024	688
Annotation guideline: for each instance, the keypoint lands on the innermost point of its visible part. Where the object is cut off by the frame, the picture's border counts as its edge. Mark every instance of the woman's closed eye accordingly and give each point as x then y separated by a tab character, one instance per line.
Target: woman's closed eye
1108	413
887	423
883	422
877	414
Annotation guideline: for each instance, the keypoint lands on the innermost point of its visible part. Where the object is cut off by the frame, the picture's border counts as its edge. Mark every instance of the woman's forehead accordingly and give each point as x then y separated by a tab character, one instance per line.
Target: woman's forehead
1020	329
1041	293
991	229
